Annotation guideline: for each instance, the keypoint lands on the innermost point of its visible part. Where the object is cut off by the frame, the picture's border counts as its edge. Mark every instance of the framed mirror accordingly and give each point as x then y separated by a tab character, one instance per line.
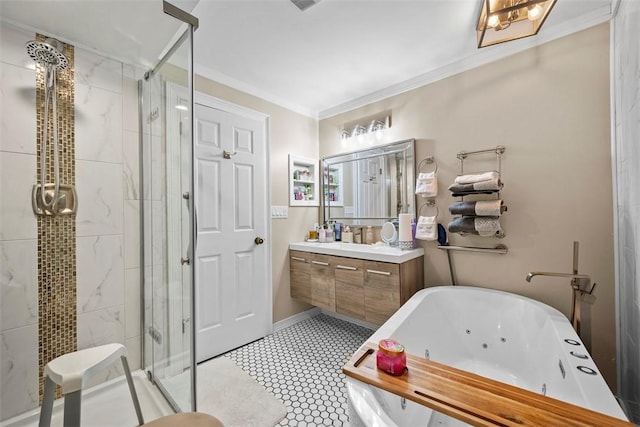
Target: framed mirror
370	186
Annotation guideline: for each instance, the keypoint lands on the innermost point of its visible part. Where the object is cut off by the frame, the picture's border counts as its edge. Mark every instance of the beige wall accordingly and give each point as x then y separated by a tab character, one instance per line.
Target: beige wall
290	133
550	107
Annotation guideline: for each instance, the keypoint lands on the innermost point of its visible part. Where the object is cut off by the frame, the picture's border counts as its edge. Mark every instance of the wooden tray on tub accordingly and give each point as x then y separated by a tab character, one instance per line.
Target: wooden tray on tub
471	398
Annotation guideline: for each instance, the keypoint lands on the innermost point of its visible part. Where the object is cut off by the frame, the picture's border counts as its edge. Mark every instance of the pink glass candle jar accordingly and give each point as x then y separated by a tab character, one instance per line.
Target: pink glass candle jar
391	357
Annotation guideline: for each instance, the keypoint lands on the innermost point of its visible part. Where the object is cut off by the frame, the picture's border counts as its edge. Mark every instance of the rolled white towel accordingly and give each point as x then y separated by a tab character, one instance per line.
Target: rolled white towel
472	178
488	207
487	226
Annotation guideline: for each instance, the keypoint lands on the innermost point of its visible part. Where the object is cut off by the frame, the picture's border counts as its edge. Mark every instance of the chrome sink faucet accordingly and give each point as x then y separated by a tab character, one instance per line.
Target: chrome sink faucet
582	297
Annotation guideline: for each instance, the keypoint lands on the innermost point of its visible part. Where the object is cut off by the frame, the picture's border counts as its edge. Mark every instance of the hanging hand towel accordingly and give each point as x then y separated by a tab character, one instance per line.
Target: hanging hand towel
427	184
427	228
470	179
480	225
477	208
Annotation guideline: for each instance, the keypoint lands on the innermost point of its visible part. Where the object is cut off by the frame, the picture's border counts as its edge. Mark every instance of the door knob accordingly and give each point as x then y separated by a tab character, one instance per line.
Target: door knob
184	261
258	240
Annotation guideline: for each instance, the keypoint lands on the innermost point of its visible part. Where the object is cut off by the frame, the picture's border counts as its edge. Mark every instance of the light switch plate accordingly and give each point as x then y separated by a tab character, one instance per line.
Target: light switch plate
279	212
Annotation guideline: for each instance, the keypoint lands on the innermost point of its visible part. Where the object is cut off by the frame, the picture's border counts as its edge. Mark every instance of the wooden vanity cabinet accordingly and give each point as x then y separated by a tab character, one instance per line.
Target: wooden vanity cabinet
323	289
382	291
300	277
349	279
367	290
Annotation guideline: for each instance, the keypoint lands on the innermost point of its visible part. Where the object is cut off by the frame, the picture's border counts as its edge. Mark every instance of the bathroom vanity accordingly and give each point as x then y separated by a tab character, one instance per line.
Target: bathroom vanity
366	282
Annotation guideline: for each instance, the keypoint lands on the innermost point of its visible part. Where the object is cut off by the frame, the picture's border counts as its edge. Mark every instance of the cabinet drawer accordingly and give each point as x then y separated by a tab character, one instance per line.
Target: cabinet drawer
349	271
382	275
380	304
299	276
349	274
299	259
323	290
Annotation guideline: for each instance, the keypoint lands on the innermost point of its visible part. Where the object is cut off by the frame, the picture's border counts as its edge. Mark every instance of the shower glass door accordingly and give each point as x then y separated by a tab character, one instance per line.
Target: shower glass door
166	159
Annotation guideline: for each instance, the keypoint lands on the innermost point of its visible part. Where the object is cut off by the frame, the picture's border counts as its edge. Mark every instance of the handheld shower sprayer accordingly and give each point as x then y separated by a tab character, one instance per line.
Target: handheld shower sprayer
48	55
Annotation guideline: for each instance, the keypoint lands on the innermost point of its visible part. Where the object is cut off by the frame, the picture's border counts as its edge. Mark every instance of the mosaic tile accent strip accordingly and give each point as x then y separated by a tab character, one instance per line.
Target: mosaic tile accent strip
302	366
57	310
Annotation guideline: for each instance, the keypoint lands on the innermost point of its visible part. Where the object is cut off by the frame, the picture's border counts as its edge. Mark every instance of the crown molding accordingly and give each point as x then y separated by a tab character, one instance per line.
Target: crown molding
224	79
459	65
476	59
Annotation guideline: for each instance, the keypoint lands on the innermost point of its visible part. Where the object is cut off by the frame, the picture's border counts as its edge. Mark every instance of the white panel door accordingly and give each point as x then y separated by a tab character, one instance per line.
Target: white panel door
233	293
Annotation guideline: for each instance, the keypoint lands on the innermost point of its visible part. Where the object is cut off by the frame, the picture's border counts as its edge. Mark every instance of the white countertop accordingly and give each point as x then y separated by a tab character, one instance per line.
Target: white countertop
381	253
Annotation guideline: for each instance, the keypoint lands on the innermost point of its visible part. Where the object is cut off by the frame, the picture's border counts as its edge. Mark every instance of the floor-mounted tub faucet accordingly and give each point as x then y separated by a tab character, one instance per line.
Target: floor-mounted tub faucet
582	297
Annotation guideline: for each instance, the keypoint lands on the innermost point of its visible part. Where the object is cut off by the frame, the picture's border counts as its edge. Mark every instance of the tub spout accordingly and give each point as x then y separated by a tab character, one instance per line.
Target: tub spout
578	277
581	298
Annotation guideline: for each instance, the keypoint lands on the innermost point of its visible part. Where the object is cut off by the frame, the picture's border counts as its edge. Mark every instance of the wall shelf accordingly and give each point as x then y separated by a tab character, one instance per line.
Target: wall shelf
303	181
332	185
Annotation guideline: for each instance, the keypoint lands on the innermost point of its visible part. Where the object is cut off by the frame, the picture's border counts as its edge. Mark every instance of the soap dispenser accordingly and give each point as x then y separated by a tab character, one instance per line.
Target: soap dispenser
369	235
347	235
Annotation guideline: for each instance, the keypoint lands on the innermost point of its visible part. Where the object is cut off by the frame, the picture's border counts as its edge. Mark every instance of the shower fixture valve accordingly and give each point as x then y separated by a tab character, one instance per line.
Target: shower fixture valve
65	203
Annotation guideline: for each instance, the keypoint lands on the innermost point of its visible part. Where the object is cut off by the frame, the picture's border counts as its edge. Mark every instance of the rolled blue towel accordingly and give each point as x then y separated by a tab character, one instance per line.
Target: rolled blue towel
482	225
463	208
482	187
464	224
477	208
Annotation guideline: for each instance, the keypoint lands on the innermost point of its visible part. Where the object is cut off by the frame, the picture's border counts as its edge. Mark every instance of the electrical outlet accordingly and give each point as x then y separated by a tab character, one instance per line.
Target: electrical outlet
279	212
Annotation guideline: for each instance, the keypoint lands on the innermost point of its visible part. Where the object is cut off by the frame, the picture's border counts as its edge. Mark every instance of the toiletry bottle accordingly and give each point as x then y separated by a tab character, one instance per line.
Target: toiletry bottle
413	232
322	235
357	235
369	235
347	235
338	229
329	234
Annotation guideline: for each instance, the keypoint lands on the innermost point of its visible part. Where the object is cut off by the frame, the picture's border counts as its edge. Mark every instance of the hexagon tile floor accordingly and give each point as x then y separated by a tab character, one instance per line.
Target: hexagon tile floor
302	366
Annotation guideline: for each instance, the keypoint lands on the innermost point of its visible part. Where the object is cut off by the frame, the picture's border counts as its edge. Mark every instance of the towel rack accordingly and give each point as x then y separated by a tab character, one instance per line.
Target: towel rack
429	203
498	249
498	150
428	160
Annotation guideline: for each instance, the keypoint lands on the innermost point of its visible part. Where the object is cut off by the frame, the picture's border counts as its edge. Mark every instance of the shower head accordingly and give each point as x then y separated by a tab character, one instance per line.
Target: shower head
47	53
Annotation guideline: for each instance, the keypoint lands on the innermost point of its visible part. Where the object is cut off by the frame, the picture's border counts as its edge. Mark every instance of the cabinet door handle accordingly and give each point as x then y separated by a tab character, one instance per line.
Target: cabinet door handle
295	258
382	273
346	267
320	263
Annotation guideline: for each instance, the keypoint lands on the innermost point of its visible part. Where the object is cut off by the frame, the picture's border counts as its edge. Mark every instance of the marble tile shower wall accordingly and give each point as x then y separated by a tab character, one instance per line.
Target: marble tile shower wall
626	76
107	222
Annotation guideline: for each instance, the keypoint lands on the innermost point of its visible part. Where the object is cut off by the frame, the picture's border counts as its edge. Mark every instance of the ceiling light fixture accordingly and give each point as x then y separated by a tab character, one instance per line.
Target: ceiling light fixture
505	20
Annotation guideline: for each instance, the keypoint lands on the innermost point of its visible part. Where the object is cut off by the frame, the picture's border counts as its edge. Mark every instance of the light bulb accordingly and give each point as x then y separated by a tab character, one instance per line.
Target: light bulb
534	13
493	21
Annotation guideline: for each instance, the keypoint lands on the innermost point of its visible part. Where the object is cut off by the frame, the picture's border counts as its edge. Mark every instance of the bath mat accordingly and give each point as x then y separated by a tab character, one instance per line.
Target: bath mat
234	397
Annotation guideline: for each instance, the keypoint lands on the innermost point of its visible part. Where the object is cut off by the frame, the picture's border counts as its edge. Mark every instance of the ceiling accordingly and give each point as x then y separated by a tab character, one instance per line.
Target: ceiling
334	56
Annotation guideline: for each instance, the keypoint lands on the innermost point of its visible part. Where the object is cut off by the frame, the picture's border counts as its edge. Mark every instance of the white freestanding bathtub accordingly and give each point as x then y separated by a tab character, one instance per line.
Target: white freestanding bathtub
499	335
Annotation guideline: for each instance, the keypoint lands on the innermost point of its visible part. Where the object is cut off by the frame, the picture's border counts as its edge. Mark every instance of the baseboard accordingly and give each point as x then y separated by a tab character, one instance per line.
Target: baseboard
351	320
296	318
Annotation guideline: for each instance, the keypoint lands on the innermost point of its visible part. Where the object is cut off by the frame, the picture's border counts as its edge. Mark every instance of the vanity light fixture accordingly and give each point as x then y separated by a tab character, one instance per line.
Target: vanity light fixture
505	20
358	131
375	126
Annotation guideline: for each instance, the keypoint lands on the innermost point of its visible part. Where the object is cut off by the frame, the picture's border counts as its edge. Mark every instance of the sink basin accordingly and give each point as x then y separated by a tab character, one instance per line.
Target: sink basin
381	253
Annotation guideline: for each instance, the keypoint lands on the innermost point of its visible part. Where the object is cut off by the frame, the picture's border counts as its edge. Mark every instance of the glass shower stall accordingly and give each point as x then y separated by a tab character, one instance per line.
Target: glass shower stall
167	224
